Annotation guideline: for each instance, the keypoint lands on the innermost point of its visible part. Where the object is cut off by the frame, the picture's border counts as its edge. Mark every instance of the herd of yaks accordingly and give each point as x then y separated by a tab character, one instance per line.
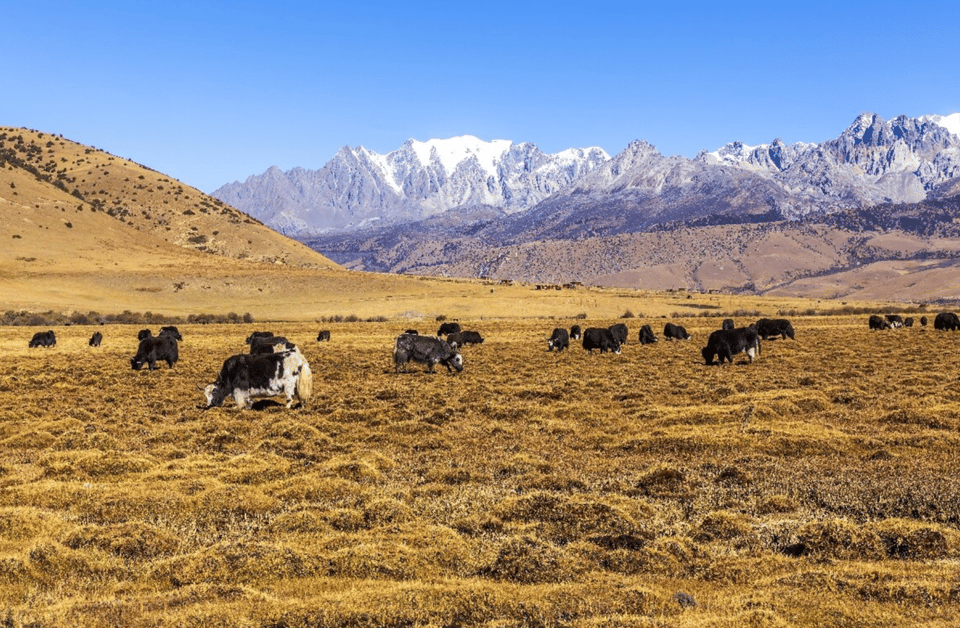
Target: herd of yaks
276	366
944	321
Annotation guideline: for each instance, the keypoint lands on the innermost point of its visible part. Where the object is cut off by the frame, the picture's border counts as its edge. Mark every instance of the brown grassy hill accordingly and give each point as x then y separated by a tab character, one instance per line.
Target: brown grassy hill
881	260
87	231
44	171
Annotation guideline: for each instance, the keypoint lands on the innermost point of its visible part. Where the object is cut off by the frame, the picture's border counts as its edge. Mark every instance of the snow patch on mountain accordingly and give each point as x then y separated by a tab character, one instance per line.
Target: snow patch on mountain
453	151
950	123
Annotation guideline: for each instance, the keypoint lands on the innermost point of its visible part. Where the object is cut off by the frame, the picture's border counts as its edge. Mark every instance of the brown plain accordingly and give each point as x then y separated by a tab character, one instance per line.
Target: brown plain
817	486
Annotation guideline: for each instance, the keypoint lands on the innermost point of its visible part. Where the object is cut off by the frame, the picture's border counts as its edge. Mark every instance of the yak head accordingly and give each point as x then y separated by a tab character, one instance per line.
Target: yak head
136	362
708	353
214	393
456	361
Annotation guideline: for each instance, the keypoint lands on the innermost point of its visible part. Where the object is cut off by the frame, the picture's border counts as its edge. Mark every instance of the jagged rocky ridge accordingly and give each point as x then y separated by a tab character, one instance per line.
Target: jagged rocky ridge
359	188
744	218
583	192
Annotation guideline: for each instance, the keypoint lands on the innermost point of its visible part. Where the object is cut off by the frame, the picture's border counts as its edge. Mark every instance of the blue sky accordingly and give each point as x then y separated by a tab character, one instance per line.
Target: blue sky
212	92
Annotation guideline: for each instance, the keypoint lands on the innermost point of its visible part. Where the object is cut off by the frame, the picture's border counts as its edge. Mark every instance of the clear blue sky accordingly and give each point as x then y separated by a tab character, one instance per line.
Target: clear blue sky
212	92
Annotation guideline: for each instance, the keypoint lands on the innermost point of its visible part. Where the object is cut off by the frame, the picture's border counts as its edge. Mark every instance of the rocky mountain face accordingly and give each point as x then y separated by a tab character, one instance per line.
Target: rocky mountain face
873	161
904	160
582	192
741	218
359	187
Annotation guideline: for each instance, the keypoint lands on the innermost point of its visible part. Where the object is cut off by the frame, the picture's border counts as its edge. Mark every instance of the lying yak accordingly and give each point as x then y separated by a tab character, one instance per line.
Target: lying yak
154	349
425	350
726	343
246	376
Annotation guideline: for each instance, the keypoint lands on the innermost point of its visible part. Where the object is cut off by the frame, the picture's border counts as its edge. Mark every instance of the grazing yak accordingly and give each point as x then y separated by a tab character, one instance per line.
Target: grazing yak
43	339
154	349
620	333
878	322
425	350
726	343
461	338
448	328
646	335
671	332
923	321
171	331
96	339
412	332
728	324
575	332
908	321
270	344
770	328
895	320
323	335
559	340
246	376
946	321
258	334
599	338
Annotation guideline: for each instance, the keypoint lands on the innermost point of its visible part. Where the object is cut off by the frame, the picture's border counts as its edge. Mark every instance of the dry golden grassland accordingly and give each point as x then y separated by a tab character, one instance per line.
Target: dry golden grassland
815	487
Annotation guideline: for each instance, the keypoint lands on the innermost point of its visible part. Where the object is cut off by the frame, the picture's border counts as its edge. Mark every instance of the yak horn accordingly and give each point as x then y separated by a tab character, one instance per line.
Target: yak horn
200	388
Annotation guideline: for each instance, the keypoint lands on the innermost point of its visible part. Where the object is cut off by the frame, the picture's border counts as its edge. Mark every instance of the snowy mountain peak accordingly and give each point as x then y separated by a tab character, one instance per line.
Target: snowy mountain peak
417	180
453	151
735	152
950	123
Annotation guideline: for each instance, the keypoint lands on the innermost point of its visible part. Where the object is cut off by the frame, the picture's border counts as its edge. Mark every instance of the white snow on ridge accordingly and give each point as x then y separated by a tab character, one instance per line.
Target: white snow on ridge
382	162
575	154
454	150
950	123
735	152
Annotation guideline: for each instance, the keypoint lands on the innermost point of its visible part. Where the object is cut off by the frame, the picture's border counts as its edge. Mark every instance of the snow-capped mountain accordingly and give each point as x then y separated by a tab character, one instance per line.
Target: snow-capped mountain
873	161
359	187
578	191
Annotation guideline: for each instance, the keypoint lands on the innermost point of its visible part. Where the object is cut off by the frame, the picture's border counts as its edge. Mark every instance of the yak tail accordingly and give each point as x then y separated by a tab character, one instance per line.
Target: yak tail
305	384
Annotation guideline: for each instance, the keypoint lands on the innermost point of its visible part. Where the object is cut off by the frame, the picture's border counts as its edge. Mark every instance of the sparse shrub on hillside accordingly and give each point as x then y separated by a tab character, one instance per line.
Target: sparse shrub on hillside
352	318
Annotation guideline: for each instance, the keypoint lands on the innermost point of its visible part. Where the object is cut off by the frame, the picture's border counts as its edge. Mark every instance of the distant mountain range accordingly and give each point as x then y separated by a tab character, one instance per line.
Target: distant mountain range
873	213
872	161
359	188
